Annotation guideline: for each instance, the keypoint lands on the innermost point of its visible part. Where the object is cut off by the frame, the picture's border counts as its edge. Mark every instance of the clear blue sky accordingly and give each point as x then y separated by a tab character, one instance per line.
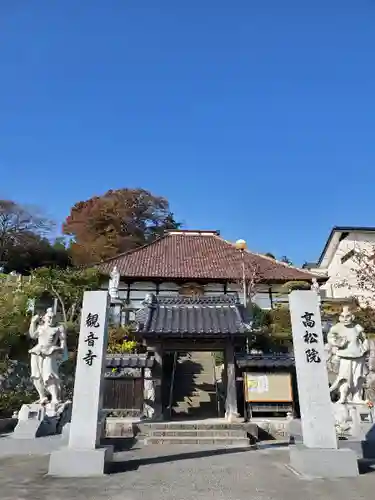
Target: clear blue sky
255	117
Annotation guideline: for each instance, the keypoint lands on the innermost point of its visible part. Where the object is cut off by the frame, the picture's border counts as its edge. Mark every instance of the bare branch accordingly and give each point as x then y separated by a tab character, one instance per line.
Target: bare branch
361	278
18	225
253	277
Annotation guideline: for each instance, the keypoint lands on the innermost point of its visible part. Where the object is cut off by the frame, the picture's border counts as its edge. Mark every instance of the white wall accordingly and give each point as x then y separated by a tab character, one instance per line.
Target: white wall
138	291
337	271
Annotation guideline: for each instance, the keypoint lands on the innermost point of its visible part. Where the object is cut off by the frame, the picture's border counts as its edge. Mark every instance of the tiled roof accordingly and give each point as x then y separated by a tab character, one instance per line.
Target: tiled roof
199	255
184	316
129	361
265	360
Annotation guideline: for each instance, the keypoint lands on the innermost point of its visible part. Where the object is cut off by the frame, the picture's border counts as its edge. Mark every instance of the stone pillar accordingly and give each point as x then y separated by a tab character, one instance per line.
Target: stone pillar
319	455
115	311
83	456
231	412
157	375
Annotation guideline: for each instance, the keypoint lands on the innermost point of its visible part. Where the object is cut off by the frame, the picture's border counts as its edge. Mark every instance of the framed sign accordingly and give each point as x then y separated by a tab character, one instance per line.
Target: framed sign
191	290
268	387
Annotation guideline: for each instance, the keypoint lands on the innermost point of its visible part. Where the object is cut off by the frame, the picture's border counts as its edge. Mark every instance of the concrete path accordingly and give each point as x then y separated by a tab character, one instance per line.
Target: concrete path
181	473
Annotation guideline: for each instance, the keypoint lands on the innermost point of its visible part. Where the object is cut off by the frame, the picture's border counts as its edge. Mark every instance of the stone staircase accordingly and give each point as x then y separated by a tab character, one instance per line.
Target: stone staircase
194	393
197	433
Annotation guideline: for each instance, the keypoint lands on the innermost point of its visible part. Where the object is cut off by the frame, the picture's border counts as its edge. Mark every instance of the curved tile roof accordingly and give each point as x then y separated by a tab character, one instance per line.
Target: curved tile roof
198	255
186	316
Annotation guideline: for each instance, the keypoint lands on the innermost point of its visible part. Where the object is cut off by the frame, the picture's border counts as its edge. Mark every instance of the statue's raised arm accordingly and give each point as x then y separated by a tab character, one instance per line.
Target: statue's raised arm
33	329
63	343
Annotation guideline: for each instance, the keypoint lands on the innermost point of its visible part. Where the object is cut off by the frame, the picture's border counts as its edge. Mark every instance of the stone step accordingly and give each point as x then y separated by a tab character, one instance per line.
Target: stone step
207	409
199	393
181	378
196	390
199	433
195	404
222	441
205	398
206	412
196	413
196	425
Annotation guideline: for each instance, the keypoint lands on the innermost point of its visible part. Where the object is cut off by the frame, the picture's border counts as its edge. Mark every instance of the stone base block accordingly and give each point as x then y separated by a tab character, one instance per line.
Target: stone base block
36	420
34	446
323	463
363	449
71	462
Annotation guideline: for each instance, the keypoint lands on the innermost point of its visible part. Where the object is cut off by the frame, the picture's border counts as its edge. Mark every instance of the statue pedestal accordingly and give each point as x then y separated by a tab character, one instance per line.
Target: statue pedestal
352	419
37	420
355	428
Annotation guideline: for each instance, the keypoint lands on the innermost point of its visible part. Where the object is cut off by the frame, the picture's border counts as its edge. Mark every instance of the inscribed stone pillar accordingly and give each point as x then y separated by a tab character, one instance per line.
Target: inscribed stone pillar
318	424
319	455
231	397
83	456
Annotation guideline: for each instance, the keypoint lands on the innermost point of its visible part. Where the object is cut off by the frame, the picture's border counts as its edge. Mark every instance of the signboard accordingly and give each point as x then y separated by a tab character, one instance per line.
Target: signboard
268	387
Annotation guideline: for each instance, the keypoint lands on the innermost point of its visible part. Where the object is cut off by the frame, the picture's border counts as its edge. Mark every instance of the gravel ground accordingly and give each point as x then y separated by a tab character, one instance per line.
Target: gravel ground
181	473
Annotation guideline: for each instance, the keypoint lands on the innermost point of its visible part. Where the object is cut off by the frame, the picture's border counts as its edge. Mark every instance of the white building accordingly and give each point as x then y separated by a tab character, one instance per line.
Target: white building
339	261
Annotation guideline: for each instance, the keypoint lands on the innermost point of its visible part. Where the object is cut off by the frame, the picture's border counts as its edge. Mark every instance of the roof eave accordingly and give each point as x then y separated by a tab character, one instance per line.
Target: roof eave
228	279
343	229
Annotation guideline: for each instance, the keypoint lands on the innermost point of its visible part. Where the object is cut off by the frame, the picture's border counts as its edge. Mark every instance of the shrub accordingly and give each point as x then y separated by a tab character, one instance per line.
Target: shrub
11	401
121	339
219	358
295	285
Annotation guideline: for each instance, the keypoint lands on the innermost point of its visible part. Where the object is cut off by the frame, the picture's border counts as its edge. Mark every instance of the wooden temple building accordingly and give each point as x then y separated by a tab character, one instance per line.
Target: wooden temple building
184	295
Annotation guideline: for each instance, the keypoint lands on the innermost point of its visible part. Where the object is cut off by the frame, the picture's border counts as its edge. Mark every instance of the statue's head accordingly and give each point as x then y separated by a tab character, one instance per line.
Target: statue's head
48	317
114	272
346	317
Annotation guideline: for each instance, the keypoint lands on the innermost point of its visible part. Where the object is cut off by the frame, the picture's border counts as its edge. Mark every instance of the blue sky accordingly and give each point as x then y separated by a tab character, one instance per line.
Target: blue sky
255	117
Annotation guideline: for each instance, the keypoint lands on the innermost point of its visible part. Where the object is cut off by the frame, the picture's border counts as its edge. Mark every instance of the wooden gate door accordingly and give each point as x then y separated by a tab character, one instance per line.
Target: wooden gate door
123	394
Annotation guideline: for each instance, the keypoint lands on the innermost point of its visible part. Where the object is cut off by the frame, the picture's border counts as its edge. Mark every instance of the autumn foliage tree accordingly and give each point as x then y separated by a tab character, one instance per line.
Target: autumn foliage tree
120	220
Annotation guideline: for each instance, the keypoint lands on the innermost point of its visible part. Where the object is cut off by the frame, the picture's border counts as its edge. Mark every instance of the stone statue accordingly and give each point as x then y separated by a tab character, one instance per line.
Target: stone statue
347	347
370	381
46	355
315	286
114	281
149	394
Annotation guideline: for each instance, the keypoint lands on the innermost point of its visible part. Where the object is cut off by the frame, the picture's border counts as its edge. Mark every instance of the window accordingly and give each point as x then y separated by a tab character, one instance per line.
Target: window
347	256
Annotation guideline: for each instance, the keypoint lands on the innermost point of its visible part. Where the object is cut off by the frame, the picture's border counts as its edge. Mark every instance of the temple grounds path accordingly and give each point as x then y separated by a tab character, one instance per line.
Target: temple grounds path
181	473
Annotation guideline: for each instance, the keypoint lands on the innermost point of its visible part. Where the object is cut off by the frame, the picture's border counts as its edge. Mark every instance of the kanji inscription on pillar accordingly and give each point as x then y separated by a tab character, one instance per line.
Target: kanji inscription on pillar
87	397
318	425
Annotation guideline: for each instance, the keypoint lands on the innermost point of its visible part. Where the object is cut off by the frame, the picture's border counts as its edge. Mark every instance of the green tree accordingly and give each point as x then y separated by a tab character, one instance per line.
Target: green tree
14	322
66	285
289	286
19	226
286	260
35	252
270	255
